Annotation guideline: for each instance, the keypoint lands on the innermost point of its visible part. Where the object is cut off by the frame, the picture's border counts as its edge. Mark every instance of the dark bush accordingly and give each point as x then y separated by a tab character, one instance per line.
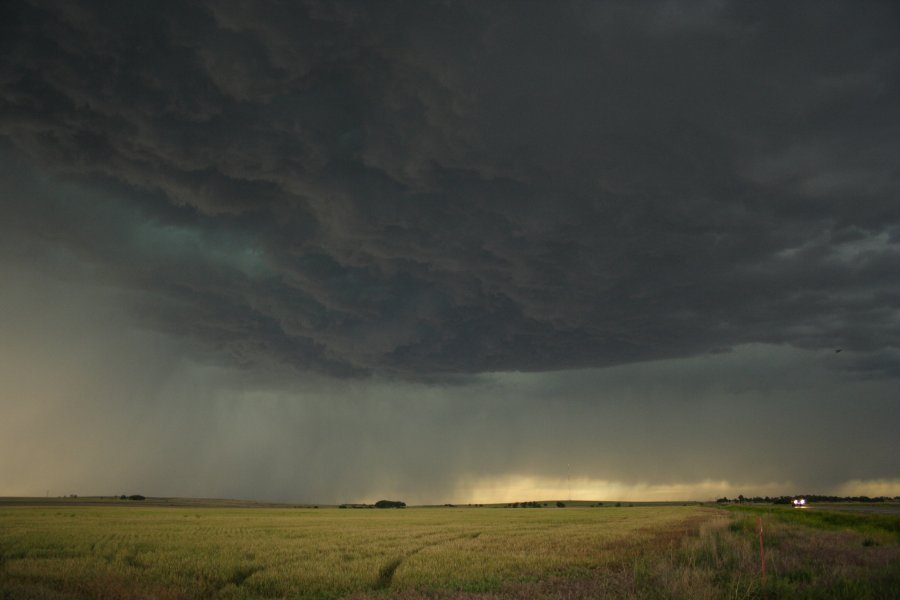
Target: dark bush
560	504
390	504
136	497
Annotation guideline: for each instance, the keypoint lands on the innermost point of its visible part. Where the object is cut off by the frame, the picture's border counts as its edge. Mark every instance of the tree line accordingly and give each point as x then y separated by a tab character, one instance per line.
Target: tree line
809	498
379	504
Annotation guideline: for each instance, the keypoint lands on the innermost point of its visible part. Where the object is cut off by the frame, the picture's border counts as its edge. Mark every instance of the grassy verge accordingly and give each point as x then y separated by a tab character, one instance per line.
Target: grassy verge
808	554
883	526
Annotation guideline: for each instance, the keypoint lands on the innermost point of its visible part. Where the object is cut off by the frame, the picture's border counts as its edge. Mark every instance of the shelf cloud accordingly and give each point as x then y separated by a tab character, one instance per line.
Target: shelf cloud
444	197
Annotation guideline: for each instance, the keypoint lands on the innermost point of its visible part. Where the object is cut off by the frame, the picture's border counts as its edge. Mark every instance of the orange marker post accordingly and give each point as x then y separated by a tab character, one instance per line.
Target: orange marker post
762	554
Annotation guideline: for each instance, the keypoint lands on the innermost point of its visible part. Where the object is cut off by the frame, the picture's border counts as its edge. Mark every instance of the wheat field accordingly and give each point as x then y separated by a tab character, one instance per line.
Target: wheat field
135	552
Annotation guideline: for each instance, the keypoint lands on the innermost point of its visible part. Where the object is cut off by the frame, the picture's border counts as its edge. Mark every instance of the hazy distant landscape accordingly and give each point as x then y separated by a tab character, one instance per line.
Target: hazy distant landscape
191	549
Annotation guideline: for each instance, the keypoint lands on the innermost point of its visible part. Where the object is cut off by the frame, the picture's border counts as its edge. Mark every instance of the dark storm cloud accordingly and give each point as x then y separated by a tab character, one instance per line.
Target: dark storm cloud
427	189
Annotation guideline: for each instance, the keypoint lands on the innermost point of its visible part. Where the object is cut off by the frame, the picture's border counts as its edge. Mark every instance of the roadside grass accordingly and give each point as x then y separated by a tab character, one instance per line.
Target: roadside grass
442	553
802	561
881	526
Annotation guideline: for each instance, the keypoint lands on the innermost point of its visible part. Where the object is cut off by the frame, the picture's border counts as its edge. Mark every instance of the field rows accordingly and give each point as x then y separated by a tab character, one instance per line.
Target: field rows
168	553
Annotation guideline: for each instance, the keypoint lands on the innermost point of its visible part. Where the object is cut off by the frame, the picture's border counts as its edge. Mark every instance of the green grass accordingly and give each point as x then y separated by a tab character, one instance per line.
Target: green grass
821	554
74	552
881	525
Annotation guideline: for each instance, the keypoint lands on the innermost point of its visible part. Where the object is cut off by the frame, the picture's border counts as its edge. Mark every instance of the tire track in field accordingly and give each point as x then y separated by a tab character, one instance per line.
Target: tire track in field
386	573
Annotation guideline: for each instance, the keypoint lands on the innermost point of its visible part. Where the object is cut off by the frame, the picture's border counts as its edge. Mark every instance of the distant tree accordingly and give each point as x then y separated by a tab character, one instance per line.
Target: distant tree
560	504
618	504
390	504
123	497
136	497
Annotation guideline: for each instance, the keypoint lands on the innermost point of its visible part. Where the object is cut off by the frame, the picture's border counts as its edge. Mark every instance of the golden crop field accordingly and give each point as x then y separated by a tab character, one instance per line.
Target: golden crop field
175	553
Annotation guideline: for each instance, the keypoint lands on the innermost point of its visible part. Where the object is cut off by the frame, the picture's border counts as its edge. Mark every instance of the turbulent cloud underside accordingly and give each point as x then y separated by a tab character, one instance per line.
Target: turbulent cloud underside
434	189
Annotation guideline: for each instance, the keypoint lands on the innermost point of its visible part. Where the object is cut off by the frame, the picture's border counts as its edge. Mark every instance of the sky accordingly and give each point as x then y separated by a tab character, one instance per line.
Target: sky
336	251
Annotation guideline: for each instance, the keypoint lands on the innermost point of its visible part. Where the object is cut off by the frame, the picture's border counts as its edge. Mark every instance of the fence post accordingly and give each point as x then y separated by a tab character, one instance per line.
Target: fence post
762	554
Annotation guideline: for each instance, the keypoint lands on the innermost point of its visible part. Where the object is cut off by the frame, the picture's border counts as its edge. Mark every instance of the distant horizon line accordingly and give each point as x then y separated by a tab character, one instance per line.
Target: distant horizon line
174	500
